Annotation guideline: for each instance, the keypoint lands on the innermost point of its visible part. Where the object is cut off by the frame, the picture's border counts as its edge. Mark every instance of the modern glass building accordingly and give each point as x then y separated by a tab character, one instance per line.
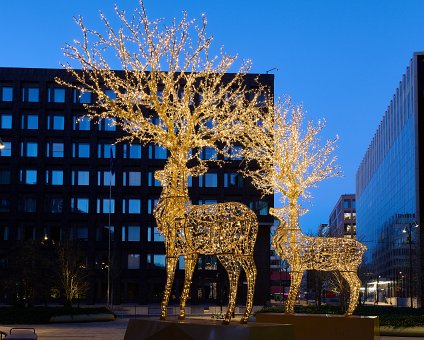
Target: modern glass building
389	193
56	185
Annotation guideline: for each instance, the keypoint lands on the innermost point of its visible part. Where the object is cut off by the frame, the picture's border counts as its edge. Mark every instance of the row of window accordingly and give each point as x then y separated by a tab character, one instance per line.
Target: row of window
56	121
106	178
55	205
55	149
30	93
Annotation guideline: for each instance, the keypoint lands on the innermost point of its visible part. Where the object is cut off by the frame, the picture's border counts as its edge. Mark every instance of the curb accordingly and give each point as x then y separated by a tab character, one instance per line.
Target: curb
82	318
408	331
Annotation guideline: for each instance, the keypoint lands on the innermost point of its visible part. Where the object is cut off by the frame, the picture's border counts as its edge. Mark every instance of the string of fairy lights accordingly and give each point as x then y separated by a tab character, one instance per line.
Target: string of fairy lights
196	105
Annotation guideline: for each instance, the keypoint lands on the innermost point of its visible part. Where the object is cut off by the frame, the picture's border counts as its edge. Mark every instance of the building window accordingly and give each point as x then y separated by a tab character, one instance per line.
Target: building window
80	177
131	233
4	204
133	261
55	122
259	207
235	153
202	202
29	149
27	204
56	95
208	180
104	150
346	216
81	123
102	233
6	93
157	152
353	204
5	121
82	97
208	153
110	93
79	233
346	204
30	94
29	121
54	149
233	180
132	151
151	204
131	206
158	260
154	235
131	178
7	150
105	205
107	124
80	150
54	177
105	177
28	176
54	205
79	205
4	176
4	235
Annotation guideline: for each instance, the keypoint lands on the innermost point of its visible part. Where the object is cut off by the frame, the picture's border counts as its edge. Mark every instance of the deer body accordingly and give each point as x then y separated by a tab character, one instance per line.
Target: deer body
343	255
227	230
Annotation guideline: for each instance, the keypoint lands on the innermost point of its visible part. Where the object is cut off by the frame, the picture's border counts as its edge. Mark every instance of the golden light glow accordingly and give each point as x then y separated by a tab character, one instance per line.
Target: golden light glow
193	105
227	230
291	160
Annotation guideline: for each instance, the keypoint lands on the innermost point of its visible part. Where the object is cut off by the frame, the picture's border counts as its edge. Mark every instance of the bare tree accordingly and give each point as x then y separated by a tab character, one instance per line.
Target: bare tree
72	272
290	157
170	91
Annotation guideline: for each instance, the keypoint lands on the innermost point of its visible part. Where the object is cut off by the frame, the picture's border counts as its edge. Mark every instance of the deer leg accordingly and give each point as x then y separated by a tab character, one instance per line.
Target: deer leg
296	278
249	267
232	266
190	264
171	263
354	287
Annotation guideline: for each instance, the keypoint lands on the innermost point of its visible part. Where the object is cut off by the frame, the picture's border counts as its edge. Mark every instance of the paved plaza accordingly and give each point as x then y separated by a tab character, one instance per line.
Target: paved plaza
113	330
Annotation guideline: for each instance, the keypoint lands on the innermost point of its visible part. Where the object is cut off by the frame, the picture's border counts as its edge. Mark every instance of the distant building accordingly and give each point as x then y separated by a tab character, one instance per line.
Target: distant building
390	189
323	230
342	220
54	186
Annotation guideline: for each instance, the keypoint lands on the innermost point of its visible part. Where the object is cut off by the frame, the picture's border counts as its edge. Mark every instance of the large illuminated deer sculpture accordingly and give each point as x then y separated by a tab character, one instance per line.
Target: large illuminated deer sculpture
227	230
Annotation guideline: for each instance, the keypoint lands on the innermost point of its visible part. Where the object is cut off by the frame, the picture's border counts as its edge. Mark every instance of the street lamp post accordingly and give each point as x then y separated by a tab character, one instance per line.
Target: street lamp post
408	230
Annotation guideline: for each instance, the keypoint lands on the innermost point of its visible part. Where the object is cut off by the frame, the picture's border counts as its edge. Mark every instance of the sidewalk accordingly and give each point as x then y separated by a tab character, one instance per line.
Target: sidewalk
112	330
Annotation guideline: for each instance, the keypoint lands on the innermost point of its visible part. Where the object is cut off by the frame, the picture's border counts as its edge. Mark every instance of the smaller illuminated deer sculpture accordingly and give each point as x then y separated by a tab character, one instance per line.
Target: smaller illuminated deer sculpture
289	160
343	255
227	230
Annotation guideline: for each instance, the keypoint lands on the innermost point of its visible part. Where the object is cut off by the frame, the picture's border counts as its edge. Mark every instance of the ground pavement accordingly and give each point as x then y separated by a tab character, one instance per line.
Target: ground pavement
113	330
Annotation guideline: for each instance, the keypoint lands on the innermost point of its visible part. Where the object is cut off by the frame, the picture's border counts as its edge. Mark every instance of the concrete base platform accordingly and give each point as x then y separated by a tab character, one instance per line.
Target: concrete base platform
325	326
193	329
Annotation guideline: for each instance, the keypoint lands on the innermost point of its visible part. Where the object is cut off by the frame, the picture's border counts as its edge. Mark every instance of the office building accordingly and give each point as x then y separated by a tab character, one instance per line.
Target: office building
56	183
389	189
342	220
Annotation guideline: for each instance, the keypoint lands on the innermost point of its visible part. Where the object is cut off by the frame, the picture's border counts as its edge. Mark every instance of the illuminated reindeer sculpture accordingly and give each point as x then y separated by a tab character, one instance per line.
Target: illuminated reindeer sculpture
227	230
317	253
290	159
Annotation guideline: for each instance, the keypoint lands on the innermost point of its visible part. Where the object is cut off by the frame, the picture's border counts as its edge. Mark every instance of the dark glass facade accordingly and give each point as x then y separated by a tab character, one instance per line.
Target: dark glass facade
55	183
388	195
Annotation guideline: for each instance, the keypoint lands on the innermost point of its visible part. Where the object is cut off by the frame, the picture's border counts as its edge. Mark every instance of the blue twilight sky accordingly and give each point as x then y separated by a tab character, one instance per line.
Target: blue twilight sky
342	59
